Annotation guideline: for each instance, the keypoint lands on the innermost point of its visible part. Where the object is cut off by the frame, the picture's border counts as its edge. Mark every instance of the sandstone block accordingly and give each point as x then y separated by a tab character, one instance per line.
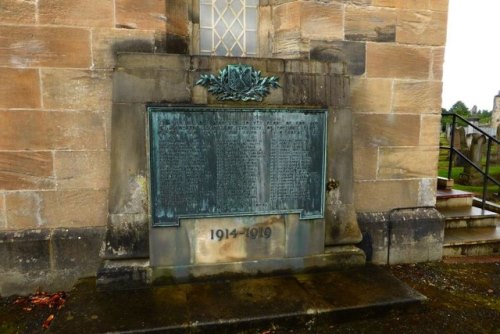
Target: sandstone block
414	4
265	30
286	17
37	130
32	46
76	89
322	20
17	12
397	61
421	27
82	169
75	208
146	14
430	130
353	54
376	196
26	170
372	130
417	97
405	162
385	3
439	5
365	161
437	64
3	213
88	13
19	88
371	95
370	24
106	43
290	44
176	16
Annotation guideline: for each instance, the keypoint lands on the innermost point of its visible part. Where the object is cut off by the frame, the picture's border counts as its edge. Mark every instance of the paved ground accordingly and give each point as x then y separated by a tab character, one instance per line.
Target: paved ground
463	297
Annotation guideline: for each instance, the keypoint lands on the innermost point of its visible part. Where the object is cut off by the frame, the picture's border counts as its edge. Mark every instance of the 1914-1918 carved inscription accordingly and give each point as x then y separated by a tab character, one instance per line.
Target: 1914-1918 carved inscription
208	162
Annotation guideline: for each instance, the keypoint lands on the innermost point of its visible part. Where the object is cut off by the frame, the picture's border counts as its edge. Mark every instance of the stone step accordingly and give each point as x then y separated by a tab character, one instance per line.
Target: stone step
231	306
472	241
452	198
445	183
469	216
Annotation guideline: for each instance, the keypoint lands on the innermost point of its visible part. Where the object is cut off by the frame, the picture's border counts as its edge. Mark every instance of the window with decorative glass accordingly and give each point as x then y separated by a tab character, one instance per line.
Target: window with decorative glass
229	27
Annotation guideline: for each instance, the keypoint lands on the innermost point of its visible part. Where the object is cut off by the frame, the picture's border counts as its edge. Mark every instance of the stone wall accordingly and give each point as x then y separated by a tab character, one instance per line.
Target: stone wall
56	63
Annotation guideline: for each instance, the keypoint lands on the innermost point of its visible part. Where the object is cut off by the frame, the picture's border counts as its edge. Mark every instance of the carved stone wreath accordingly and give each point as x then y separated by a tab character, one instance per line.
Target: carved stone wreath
238	83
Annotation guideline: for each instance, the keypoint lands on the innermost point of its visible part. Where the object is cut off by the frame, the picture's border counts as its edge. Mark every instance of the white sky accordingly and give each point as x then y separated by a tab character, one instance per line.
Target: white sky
472	56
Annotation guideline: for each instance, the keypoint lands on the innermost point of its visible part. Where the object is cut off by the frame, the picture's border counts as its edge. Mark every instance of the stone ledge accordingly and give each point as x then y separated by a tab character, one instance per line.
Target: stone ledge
133	274
48	259
402	235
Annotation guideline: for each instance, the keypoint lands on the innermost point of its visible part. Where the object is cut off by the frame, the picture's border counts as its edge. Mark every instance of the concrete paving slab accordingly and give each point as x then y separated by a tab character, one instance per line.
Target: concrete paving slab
227	306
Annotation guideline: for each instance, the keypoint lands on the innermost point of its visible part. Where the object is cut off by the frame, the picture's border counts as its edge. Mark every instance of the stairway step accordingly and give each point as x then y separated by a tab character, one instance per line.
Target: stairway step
462	217
444	183
451	198
472	241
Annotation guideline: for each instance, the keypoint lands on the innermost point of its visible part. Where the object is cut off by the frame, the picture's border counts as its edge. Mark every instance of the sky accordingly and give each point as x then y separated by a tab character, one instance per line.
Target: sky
472	54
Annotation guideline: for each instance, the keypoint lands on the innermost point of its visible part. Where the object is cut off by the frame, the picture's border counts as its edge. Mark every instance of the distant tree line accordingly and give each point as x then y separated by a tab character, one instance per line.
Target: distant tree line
461	109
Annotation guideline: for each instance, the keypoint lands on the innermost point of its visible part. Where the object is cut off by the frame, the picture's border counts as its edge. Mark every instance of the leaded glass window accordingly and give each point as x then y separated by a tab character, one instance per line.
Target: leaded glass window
228	27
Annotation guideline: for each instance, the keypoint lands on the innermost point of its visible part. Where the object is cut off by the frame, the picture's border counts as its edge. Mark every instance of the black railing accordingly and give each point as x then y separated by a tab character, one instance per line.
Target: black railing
486	173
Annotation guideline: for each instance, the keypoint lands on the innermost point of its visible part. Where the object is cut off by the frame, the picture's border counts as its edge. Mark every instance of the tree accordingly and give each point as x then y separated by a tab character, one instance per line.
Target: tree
458	108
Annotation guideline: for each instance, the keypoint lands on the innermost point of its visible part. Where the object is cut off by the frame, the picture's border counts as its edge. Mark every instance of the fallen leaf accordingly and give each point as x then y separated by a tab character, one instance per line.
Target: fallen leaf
47	321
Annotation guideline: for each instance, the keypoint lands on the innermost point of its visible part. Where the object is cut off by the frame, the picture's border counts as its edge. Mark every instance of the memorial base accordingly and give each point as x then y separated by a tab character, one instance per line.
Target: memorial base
133	274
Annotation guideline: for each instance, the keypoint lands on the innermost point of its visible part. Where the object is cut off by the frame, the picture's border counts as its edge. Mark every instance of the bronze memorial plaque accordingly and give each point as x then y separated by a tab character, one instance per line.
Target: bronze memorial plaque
214	162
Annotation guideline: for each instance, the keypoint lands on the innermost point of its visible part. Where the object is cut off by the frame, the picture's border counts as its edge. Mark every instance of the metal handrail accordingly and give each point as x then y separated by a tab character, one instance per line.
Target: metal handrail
453	150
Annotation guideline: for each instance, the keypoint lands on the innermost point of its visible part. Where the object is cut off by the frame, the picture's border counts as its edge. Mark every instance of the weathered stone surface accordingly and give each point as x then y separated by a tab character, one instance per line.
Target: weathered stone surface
157	61
128	190
351	53
321	20
437	64
146	15
414	4
127	237
176	16
265	30
370	24
439	5
254	238
430	130
421	27
286	17
416	235
420	97
385	3
3	212
42	130
386	129
107	43
371	196
24	46
17	12
371	95
304	237
78	208
365	161
89	13
24	251
77	248
397	61
405	162
82	169
290	44
26	170
374	228
75	89
19	88
151	85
